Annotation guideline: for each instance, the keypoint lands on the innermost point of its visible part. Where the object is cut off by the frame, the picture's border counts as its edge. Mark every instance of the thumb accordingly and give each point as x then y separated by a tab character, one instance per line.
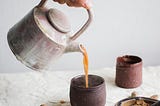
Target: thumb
88	4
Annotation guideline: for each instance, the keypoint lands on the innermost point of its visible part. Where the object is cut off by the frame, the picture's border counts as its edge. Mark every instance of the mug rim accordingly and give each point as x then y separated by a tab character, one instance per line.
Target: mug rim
89	88
123	63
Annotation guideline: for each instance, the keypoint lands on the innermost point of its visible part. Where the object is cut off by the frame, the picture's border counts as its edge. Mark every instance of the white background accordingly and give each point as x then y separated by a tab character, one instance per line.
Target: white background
120	27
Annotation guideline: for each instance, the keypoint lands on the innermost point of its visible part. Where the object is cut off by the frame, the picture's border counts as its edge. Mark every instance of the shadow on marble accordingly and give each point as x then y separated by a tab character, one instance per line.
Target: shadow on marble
60	103
110	81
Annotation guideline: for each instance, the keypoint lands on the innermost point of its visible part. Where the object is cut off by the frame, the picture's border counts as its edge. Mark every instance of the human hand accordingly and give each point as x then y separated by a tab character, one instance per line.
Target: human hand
76	3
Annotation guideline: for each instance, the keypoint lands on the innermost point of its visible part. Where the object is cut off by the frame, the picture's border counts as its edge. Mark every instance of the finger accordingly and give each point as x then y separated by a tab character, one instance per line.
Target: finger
79	3
73	3
85	3
60	1
88	4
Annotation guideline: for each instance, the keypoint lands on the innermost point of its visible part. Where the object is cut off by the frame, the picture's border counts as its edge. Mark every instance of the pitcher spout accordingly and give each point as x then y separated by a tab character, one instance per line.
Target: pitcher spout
73	47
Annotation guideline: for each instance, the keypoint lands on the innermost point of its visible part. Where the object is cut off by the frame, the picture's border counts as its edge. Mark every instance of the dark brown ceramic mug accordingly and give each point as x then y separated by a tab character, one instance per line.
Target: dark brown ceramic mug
128	71
95	95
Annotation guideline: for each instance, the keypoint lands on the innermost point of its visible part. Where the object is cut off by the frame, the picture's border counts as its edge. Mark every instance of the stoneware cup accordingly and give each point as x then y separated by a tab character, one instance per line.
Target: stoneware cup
94	95
131	101
128	71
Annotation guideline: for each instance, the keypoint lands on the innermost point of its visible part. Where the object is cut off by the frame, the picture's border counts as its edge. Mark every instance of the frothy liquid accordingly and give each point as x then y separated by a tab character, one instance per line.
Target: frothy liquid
85	64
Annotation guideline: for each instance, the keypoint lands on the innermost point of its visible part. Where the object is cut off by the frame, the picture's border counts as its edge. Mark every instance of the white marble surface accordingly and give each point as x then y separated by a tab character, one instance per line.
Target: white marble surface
35	88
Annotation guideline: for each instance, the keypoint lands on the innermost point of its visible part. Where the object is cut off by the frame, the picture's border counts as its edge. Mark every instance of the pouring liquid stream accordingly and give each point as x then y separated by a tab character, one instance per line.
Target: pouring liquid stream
85	64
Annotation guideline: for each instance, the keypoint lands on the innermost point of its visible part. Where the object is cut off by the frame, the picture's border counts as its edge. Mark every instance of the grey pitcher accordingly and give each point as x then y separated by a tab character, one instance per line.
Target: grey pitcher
42	36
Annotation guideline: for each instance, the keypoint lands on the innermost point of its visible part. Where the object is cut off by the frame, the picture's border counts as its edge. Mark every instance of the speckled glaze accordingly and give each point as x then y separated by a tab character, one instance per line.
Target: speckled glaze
147	100
128	71
95	95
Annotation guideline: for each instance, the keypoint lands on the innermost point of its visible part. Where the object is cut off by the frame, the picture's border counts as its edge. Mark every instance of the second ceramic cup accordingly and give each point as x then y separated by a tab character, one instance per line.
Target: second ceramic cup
129	71
95	95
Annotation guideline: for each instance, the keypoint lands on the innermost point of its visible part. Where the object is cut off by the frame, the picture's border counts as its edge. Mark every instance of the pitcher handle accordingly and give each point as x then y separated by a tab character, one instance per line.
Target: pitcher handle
83	28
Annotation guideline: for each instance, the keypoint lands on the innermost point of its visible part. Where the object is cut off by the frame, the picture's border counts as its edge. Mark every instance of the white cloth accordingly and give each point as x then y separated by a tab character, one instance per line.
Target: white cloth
35	88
